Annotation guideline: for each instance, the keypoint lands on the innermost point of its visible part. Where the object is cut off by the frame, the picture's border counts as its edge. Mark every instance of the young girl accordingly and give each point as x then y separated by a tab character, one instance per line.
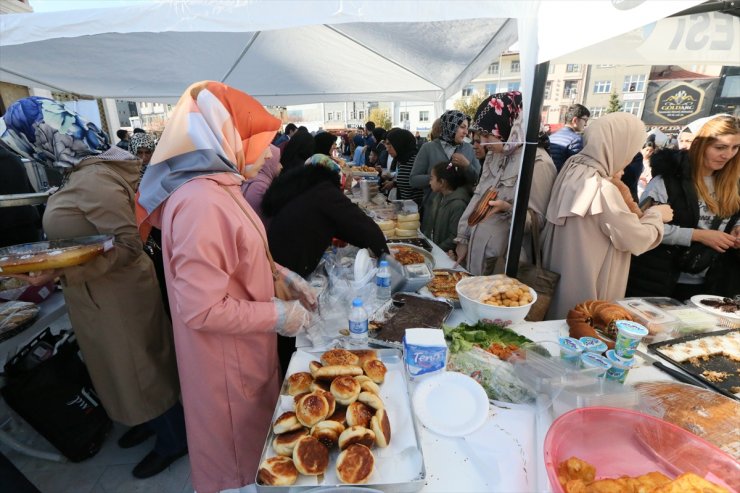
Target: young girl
448	205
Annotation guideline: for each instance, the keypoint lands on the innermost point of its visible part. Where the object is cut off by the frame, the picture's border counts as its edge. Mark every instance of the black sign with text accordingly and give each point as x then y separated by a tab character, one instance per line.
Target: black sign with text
678	102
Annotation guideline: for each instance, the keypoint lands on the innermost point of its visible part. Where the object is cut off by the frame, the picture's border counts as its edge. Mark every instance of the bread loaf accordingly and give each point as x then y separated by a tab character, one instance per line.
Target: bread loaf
595	314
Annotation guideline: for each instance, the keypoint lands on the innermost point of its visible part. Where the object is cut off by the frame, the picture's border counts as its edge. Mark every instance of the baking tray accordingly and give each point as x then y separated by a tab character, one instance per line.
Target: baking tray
417	242
392	311
405	442
716	363
455	302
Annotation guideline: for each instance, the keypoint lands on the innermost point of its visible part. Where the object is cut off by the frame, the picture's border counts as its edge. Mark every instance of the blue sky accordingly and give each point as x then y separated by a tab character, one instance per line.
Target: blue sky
57	5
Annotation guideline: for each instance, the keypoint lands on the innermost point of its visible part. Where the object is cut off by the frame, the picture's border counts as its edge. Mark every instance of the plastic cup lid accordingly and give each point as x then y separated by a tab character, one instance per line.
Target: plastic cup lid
595	361
591	342
625	363
632	330
571	344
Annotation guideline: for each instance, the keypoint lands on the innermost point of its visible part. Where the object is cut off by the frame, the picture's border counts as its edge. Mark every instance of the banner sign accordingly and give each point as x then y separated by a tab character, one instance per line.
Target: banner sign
678	102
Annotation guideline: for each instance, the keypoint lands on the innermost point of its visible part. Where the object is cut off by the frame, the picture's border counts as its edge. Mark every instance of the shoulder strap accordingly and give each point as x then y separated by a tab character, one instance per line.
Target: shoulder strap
275	274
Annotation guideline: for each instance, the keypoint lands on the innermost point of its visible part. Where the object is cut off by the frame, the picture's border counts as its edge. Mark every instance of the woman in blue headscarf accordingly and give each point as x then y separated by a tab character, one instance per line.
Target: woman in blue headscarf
113	300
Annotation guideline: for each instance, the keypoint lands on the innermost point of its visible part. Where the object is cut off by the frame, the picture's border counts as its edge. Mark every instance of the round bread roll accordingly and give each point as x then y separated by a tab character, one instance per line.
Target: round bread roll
410	216
286	422
320	385
355	465
405	233
299	383
340	415
339	356
313	366
410	225
277	471
311	409
364	355
382	428
334	371
345	390
356	434
371	399
329	399
385	225
368	385
310	456
298	397
327	432
283	444
376	370
359	414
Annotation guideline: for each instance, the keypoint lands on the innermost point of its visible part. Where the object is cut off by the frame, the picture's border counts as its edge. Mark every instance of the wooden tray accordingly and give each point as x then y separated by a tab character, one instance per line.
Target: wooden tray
52	254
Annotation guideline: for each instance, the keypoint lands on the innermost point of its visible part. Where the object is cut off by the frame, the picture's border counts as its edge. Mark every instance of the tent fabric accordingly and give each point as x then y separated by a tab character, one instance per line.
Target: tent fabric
304	51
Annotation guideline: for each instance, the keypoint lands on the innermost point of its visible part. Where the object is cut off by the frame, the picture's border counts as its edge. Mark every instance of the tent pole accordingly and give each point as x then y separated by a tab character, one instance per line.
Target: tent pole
525	174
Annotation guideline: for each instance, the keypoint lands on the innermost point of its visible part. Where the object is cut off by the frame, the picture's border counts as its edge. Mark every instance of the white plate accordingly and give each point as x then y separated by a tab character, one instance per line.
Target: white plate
697	300
451	404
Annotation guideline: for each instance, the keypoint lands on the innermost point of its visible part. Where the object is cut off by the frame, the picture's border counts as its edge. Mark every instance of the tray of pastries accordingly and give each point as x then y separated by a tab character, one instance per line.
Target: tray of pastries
343	417
52	254
16	316
443	284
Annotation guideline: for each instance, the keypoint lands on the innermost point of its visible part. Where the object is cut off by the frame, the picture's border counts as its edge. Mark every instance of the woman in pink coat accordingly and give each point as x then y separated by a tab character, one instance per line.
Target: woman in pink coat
219	279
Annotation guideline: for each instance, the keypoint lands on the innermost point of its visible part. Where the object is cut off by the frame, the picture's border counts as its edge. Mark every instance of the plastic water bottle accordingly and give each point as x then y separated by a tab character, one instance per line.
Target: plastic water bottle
358	324
383	282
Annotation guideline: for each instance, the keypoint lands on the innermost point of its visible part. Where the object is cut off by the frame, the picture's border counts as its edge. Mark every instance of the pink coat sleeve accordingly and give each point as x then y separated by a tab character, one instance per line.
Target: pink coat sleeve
207	266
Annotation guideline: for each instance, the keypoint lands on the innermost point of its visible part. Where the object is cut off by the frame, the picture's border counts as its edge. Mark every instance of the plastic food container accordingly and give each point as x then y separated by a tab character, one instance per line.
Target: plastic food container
475	310
571	350
660	324
593	360
621	442
620	366
629	335
593	345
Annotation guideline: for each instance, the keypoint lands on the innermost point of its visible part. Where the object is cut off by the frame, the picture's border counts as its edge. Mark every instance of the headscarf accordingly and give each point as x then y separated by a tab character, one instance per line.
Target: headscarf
141	141
45	131
609	144
501	115
403	142
323	161
451	121
299	148
213	129
323	142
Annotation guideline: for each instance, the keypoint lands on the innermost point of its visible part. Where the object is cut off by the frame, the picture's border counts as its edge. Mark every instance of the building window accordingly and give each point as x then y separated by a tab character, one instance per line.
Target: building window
515	66
597	111
634	83
602	87
467	91
548	89
490	89
632	107
339	115
423	116
493	68
572	67
513	86
570	89
330	116
605	66
404	116
361	115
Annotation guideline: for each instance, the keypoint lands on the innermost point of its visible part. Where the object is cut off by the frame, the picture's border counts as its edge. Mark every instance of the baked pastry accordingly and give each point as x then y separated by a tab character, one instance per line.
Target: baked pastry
359	414
372	400
408	225
367	385
299	382
345	390
405	233
277	471
13	314
381	426
594	314
333	371
364	355
340	415
355	465
298	397
376	370
327	432
339	356
385	225
320	385
356	434
311	409
286	422
310	456
329	399
313	366
285	443
408	217
482	208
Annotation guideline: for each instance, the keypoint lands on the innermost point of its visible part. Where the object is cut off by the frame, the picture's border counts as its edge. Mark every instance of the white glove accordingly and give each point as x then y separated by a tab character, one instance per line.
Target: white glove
292	317
299	288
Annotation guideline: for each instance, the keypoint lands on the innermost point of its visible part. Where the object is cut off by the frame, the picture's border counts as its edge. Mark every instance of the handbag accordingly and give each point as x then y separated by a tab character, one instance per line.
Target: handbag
48	385
282	291
482	208
543	281
699	257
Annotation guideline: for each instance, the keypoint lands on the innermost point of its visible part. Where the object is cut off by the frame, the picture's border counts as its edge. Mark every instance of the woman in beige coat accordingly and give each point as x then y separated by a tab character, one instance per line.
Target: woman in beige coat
591	231
113	300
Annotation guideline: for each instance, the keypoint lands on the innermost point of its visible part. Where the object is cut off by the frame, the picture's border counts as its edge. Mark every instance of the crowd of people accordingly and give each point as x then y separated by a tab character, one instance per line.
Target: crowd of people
219	221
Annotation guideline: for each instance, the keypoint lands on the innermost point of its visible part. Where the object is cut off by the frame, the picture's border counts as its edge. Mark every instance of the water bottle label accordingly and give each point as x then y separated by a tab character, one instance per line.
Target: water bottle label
383	282
357	327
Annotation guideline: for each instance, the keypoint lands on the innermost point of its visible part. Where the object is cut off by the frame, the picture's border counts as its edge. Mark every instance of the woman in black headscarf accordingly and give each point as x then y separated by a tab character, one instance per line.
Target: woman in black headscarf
299	148
401	145
325	143
449	146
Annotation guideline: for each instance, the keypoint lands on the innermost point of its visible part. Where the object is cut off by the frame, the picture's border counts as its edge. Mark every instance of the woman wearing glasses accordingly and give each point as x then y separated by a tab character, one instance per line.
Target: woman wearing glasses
497	123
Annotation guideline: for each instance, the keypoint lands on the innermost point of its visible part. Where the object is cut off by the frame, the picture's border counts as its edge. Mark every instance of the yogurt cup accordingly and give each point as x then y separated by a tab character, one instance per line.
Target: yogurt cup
593	360
593	345
629	335
620	366
571	350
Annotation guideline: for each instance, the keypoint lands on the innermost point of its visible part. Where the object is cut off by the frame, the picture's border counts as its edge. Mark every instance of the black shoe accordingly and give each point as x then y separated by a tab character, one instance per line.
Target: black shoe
135	435
155	463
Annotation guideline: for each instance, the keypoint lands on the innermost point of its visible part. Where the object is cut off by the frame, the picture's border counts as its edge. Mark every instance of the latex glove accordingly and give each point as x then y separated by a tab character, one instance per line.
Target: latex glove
398	279
292	317
299	288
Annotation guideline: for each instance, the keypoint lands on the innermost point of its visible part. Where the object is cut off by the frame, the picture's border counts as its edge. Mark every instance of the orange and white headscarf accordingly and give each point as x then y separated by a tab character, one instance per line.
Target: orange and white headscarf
213	129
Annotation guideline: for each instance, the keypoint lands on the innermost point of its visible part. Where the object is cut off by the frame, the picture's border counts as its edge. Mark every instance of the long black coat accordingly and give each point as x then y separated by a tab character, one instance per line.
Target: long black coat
308	209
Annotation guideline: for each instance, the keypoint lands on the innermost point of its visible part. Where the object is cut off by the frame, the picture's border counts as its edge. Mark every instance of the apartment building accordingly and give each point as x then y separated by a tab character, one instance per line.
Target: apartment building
629	82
